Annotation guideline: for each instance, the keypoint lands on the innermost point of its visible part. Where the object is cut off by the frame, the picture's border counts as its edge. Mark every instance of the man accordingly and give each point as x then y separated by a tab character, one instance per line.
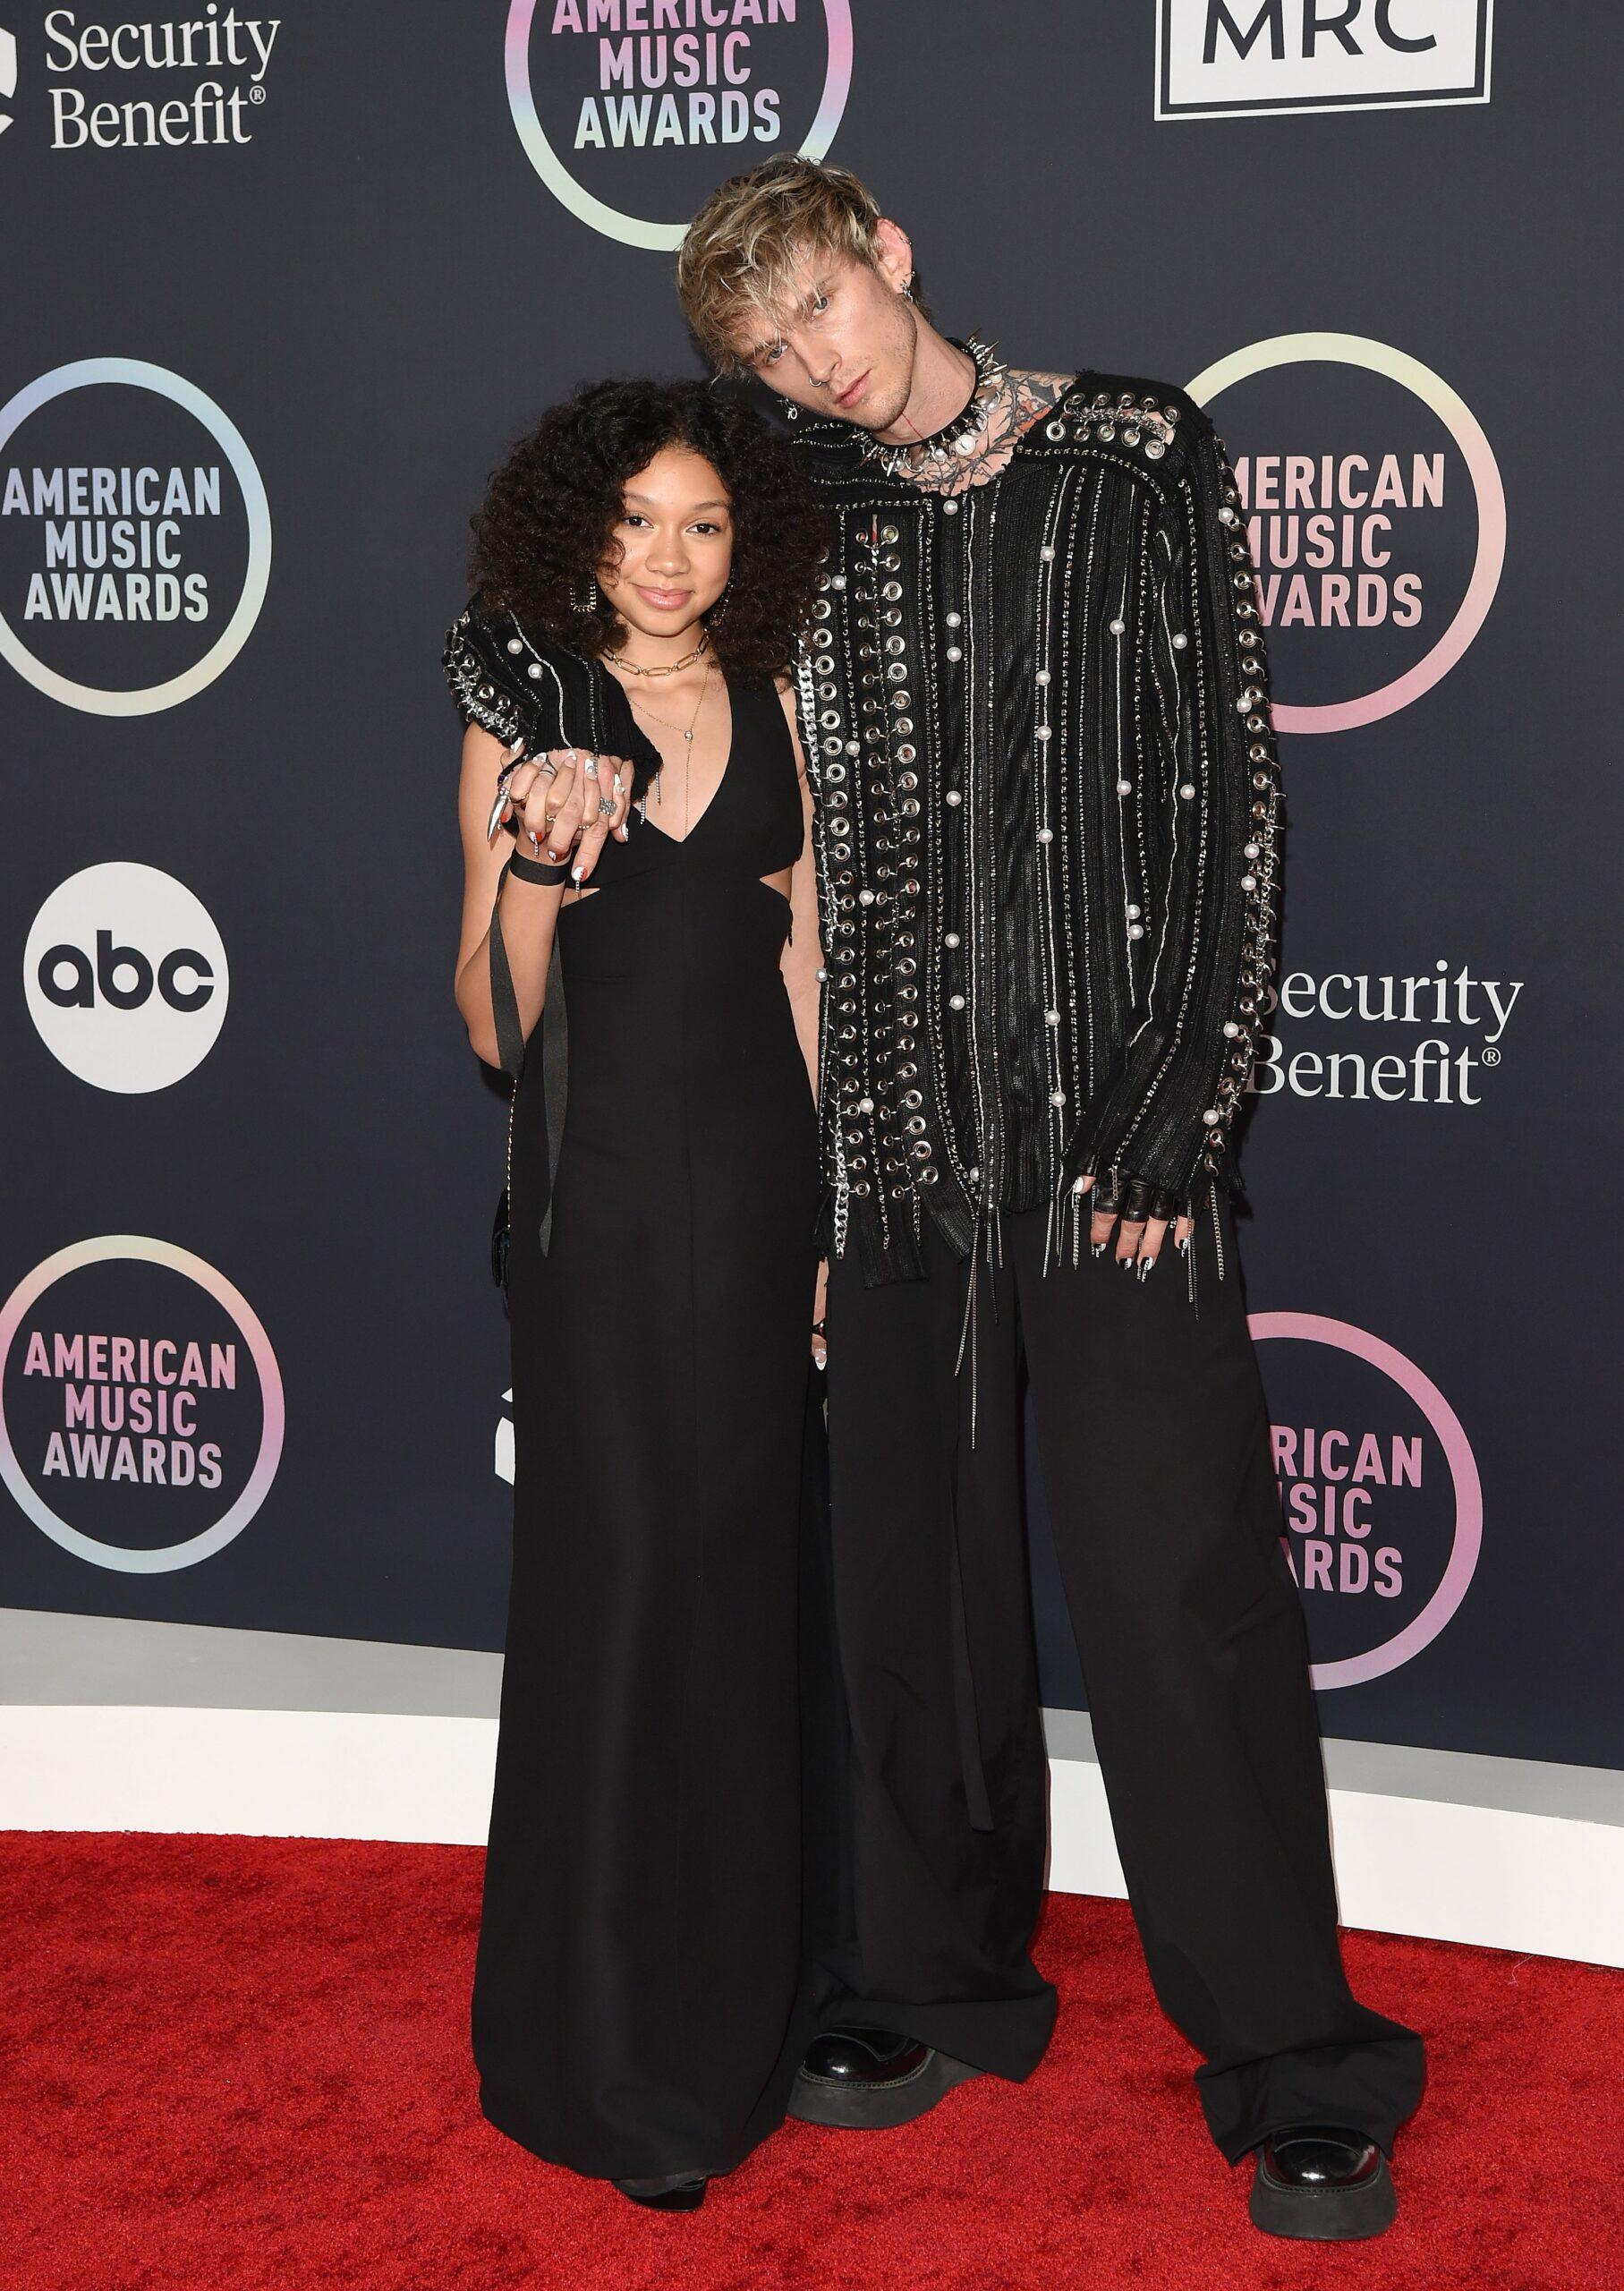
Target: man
1034	706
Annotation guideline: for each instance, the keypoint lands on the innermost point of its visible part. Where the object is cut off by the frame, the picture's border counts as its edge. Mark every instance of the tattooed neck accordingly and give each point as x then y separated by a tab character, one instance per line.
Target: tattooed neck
1020	399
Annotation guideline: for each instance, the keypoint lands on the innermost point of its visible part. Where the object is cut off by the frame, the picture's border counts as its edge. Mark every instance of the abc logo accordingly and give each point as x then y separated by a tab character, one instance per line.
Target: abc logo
126	977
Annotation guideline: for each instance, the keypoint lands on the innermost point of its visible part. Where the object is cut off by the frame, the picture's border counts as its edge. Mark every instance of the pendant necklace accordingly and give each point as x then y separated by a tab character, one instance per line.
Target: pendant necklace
687	736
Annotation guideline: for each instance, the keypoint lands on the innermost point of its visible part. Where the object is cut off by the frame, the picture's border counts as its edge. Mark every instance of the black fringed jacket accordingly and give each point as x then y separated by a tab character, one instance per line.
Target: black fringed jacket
1037	721
532	694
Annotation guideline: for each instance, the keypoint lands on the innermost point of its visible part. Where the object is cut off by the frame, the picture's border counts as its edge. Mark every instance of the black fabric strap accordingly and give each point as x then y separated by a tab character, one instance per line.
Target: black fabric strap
503	1001
553	1028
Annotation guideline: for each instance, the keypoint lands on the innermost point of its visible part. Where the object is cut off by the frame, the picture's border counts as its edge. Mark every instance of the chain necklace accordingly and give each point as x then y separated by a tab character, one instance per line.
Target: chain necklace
934	457
631	667
660	777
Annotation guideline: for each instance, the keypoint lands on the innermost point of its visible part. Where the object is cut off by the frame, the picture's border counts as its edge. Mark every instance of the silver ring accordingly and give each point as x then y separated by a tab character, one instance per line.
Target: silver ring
606	808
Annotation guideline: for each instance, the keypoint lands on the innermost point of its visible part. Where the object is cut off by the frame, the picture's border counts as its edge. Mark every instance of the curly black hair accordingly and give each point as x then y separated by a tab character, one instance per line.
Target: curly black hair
547	518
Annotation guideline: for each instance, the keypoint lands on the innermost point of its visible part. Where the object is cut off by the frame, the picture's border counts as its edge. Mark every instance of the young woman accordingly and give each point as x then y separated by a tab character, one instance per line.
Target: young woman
644	564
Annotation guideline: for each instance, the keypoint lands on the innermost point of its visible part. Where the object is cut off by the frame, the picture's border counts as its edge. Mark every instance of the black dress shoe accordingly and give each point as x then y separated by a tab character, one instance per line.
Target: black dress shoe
1322	2183
664	2195
867	2079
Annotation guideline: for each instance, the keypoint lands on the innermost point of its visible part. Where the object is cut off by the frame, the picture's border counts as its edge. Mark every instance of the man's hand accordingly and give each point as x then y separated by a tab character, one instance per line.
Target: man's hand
1125	1215
571	799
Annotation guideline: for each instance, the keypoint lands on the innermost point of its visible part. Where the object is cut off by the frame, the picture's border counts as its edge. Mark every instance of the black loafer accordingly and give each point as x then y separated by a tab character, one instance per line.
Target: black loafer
664	2195
867	2079
1323	2183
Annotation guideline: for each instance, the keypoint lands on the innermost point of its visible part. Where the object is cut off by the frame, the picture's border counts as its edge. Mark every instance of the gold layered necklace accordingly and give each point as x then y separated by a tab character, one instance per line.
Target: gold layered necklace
686	733
631	667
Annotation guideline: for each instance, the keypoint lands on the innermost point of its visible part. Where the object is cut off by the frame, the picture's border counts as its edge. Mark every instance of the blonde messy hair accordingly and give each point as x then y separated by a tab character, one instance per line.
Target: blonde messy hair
744	244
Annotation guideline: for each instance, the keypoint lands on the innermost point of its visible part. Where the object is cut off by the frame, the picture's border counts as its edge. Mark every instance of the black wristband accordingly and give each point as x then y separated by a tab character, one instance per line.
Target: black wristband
537	871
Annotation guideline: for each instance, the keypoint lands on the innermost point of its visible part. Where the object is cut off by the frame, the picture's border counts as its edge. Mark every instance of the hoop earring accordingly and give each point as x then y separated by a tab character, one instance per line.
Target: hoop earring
719	611
792	411
583	602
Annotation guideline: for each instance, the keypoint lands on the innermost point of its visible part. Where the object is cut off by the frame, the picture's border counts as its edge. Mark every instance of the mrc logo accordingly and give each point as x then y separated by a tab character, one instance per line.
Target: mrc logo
1215	57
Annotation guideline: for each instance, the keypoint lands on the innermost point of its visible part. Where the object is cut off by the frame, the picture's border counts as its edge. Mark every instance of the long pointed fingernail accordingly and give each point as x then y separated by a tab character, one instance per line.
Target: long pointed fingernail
1146	1266
1127	1263
1096	1248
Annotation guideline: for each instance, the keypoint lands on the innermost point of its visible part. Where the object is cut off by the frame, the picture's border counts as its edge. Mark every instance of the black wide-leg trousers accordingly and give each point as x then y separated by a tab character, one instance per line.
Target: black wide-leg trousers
1153	1438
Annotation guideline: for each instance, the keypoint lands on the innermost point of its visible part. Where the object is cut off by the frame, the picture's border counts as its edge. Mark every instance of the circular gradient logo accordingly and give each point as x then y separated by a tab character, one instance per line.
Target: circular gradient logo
1377	515
140	1404
126	977
1381	1506
632	111
135	537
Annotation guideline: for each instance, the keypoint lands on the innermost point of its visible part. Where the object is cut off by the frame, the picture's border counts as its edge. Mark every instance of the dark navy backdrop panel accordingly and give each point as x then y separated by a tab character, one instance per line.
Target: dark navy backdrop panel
281	291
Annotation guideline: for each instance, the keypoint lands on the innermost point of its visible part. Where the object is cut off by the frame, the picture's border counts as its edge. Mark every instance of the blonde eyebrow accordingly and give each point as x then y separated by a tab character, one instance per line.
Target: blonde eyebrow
802	310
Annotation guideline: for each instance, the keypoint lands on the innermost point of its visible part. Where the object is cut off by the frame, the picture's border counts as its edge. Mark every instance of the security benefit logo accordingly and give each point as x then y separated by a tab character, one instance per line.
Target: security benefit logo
1219	56
140	1404
134	537
157	83
1433	1036
1381	1503
632	111
126	977
1373	506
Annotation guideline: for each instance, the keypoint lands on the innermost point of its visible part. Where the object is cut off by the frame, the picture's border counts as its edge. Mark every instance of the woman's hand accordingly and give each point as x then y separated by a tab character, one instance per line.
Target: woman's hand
819	1347
571	798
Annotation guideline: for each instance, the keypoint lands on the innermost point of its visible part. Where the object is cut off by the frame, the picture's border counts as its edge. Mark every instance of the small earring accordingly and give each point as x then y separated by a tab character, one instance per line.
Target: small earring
719	611
792	411
907	292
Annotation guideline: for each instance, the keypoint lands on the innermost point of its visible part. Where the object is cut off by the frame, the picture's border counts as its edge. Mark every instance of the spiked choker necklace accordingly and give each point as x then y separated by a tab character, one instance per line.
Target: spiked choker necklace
935	454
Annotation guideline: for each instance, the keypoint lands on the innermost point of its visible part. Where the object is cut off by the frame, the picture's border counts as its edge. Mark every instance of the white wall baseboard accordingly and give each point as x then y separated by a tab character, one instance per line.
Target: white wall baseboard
1545	1883
1533	1883
247	1772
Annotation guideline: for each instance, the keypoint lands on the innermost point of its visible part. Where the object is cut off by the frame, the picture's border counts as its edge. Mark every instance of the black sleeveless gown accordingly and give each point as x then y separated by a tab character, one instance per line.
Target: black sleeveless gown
639	1994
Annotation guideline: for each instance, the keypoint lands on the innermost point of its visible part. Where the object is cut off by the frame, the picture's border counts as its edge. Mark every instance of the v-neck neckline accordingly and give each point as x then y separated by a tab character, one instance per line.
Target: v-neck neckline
681	842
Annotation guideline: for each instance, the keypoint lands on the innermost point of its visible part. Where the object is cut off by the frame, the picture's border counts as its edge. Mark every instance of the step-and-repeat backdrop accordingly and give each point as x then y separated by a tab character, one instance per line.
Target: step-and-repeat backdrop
279	291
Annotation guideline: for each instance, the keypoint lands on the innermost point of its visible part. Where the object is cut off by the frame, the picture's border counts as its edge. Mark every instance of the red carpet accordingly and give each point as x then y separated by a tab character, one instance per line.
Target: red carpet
233	2063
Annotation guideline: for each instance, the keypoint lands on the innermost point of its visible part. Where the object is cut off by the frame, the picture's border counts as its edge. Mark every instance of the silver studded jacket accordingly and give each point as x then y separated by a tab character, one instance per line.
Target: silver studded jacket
1036	718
